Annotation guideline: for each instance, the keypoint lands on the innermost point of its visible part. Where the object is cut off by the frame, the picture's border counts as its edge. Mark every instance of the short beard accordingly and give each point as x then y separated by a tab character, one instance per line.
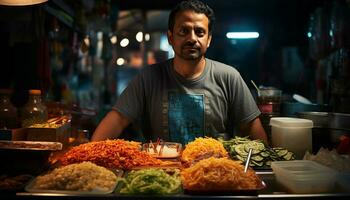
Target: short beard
193	56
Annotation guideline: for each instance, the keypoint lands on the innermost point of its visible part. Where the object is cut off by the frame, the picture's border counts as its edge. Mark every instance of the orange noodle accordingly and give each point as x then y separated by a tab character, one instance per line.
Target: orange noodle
111	154
219	174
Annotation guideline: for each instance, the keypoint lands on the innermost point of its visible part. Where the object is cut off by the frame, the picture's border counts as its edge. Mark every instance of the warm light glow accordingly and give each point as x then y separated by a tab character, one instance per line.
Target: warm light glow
139	36
147	36
87	41
124	42
20	2
120	61
114	39
242	35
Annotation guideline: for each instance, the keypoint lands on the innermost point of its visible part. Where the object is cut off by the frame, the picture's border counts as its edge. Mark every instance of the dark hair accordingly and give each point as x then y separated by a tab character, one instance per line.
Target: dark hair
196	6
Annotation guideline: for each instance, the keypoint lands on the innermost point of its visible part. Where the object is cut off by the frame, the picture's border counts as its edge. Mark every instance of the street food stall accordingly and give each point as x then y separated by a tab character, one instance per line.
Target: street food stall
206	168
65	64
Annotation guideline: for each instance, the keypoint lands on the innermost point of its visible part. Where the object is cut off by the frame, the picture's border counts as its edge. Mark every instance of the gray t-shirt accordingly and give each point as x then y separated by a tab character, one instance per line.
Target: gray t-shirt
177	109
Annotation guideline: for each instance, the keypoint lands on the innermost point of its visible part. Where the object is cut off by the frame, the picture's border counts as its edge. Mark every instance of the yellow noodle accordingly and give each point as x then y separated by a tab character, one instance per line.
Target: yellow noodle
219	174
202	148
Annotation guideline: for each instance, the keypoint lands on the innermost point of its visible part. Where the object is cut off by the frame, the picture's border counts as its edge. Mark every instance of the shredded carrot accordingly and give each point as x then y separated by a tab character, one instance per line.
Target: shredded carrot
111	154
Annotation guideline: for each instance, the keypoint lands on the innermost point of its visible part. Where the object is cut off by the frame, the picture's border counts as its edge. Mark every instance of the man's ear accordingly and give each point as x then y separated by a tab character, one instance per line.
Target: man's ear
209	40
170	37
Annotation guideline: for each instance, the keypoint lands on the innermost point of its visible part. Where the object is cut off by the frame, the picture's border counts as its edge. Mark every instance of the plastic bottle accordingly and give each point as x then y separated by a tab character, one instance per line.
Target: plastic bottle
34	111
8	112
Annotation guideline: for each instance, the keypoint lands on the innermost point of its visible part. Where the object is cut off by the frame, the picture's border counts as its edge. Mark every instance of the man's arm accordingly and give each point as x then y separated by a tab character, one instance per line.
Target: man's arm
255	130
111	126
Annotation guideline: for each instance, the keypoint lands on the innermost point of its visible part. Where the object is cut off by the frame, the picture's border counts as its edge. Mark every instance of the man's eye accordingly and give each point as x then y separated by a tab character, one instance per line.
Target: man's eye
200	32
183	31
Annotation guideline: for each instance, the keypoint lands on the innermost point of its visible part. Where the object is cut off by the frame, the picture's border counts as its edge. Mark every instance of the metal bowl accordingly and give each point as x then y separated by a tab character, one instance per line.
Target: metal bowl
338	121
328	128
291	109
26	157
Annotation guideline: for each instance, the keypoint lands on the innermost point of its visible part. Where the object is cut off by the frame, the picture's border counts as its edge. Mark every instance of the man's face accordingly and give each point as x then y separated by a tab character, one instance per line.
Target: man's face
190	37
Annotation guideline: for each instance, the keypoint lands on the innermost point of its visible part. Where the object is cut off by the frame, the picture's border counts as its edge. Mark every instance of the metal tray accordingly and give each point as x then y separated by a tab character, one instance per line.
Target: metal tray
118	172
26	157
253	191
121	184
171	164
30	145
13	184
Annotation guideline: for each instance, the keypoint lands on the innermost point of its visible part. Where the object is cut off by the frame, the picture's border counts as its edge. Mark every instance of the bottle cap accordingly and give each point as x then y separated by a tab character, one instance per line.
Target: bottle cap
35	92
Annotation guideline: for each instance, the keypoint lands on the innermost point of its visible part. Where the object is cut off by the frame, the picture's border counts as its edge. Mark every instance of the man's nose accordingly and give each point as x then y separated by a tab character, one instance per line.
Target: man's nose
192	36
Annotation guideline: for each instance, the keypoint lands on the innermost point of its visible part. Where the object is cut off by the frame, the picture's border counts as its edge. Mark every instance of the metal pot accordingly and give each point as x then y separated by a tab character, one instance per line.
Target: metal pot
290	109
338	121
328	127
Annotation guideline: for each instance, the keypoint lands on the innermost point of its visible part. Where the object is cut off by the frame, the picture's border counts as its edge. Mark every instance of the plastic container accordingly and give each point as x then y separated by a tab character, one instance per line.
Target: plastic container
292	133
343	181
304	176
34	112
166	150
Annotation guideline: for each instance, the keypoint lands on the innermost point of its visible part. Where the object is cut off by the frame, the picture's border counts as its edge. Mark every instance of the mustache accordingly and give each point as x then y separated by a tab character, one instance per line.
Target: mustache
191	45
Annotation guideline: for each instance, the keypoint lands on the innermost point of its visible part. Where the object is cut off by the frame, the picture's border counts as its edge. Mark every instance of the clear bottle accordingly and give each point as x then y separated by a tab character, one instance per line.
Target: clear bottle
34	111
8	112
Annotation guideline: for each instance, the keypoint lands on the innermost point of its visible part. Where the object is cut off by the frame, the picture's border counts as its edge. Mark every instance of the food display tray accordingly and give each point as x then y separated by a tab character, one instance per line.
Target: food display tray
118	172
253	191
121	184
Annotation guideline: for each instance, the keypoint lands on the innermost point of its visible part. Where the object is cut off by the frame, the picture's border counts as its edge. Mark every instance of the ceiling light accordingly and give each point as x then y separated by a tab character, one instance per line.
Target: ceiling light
113	39
242	35
87	41
20	2
139	36
120	61
309	34
124	42
147	36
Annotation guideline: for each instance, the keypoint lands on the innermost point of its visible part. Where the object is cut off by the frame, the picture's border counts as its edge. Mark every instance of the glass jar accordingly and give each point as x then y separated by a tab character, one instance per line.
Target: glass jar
269	100
269	103
8	112
34	111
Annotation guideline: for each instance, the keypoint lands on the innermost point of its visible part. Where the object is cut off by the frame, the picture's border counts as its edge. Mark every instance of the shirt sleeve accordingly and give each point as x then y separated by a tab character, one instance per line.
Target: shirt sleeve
243	106
131	102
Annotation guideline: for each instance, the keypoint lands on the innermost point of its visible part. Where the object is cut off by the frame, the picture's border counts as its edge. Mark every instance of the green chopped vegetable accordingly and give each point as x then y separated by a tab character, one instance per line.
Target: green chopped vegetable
259	164
151	181
256	147
289	156
262	155
257	158
240	149
282	152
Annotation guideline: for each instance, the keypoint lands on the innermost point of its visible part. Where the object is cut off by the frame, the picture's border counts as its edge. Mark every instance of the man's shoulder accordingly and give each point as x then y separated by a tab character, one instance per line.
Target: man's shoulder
156	68
155	71
222	68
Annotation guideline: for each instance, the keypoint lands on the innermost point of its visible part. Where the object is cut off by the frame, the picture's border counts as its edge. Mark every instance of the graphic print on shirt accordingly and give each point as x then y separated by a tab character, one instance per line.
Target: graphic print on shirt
185	116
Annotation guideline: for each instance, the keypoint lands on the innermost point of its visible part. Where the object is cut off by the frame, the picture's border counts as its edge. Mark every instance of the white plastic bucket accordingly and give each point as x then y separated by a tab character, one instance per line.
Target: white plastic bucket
295	134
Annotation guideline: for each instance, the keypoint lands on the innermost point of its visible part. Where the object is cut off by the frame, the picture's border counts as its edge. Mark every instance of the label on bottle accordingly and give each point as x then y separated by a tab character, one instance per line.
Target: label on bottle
266	108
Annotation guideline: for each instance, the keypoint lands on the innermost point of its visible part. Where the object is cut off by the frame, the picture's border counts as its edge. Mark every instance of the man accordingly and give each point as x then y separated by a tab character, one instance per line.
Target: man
188	96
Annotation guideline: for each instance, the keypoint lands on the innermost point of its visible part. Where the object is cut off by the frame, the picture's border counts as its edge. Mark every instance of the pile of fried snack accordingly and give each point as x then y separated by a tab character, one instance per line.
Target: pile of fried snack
211	169
205	166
